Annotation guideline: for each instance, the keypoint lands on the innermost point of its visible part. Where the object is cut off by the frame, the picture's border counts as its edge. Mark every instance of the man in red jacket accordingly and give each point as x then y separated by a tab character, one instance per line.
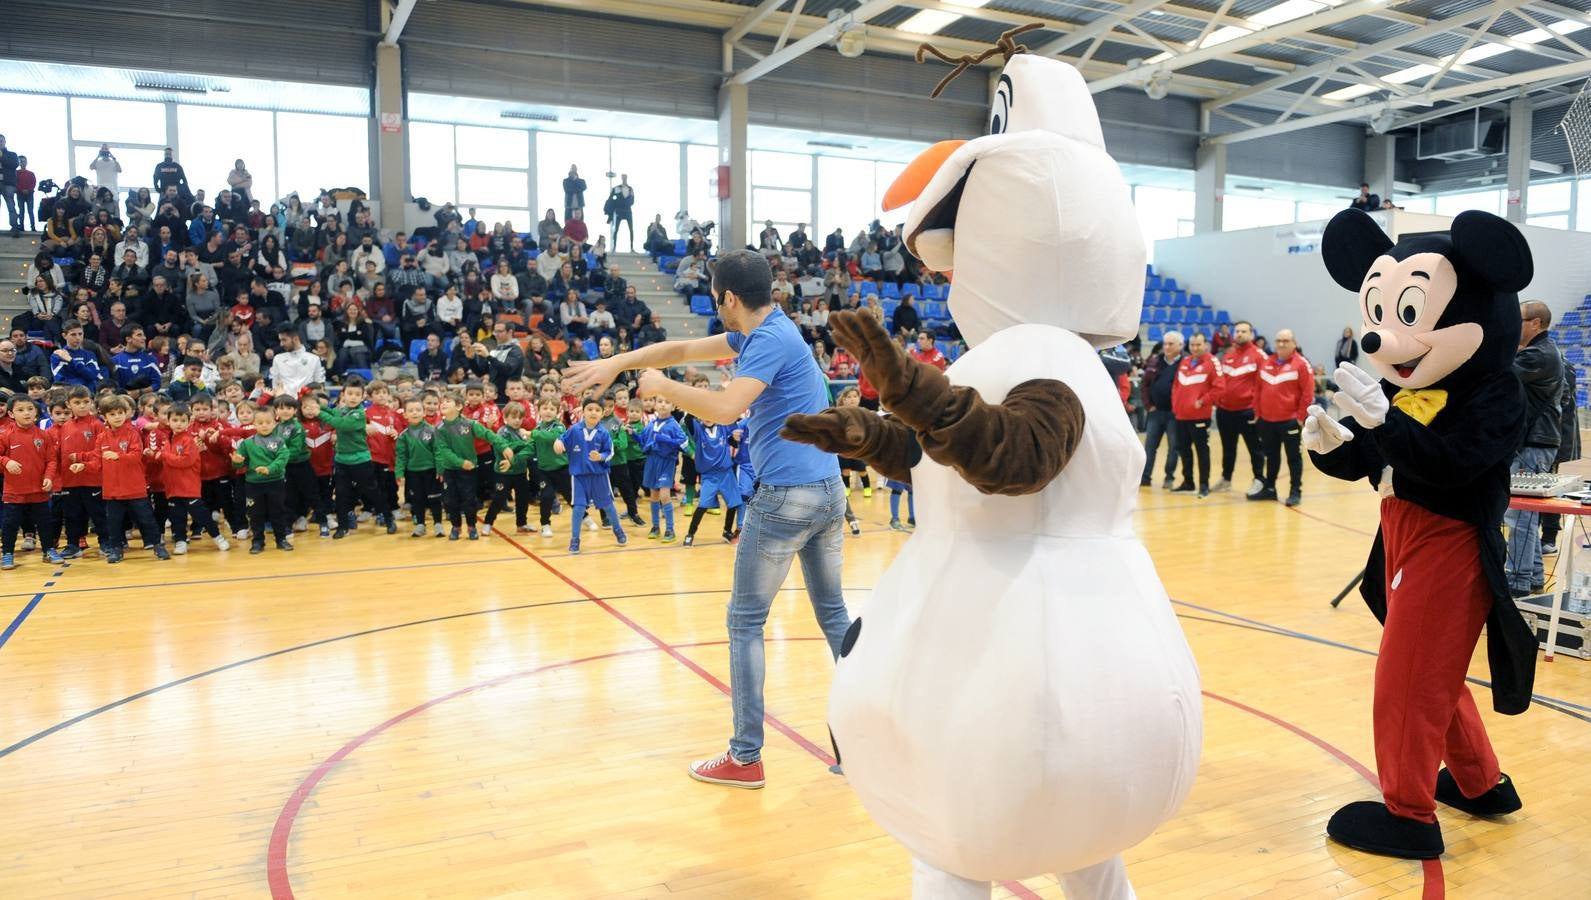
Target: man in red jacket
1193	395
1287	387
1234	409
30	458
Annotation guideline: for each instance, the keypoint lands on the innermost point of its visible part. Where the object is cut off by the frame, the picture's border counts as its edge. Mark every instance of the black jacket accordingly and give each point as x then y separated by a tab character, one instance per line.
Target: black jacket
574	193
1157	379
163	308
1458	467
1540	367
1568	417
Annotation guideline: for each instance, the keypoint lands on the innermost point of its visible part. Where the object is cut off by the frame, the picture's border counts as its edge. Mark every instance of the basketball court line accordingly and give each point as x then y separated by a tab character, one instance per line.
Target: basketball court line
32	604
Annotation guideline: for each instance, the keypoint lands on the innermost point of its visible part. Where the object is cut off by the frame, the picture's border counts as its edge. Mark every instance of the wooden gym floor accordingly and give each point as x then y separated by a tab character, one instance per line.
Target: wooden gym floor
394	718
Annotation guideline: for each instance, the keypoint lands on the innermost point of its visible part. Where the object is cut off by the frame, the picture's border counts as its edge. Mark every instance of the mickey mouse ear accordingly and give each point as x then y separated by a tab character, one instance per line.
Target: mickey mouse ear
1493	248
1350	246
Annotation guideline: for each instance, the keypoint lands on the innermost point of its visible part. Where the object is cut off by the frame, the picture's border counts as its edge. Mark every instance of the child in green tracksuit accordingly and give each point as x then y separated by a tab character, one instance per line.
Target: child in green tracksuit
552	465
456	460
513	478
354	473
414	464
263	457
303	489
625	447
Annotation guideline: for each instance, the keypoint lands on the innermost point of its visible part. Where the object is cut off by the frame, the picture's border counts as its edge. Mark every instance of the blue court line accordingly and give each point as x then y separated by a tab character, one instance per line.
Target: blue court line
185	583
1305	636
21	616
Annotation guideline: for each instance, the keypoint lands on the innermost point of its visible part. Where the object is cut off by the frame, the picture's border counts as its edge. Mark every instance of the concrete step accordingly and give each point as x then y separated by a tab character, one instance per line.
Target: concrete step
16	265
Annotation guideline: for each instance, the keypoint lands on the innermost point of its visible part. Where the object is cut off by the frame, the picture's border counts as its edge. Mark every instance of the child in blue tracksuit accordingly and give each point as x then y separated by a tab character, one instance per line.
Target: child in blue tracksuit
896	488
662	439
745	472
589	447
716	465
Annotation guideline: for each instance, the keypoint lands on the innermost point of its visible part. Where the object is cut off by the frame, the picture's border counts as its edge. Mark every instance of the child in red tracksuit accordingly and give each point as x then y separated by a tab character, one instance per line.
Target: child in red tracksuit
383	424
125	489
222	488
321	439
181	459
78	494
477	407
30	457
156	434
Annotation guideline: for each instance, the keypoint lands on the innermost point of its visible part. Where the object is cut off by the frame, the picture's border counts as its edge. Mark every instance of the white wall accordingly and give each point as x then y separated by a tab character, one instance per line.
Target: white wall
1275	278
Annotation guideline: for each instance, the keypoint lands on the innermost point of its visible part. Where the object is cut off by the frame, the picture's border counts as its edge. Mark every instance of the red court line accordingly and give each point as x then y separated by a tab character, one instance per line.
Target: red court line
1435	879
1325	521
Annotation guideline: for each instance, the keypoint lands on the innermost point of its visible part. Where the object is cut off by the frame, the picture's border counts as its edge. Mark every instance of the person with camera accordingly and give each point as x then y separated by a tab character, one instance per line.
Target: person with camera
106	168
620	208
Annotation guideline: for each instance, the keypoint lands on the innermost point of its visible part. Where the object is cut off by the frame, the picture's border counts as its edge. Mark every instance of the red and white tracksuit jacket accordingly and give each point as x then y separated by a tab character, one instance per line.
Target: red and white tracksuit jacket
1286	389
1240	368
1197	387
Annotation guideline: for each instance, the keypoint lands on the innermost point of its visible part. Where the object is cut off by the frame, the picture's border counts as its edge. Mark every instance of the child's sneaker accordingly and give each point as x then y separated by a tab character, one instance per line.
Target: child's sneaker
726	771
363	517
848	490
180	548
400	513
419	531
653	535
591	523
474	535
339	534
28	543
8	562
257	547
525	529
300	524
856	528
113	555
637	520
895	525
732	537
867	493
51	556
486	529
911	521
284	545
392	525
71	553
546	531
242	534
325	530
620	537
161	552
690	540
574	546
221	543
668	537
453	535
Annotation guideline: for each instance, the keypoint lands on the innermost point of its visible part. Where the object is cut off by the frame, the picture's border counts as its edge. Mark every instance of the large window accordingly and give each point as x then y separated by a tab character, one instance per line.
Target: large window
214	138
125	121
316	152
701	186
555	153
884	175
1550	205
35	127
781	190
1453	204
431	162
845	196
1163	213
138	168
653	167
1239	212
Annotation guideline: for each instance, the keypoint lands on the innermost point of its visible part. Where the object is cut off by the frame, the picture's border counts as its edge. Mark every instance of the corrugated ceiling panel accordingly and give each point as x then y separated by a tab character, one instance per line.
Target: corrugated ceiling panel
203	36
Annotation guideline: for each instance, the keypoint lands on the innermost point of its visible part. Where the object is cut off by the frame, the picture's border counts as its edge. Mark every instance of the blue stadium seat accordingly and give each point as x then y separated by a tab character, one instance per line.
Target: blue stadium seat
1206	316
1149	271
1145	314
1222	317
702	304
679	247
1152	282
1155	332
590	346
1178	316
416	347
1196	300
890	290
1168	284
911	289
1161	316
366	374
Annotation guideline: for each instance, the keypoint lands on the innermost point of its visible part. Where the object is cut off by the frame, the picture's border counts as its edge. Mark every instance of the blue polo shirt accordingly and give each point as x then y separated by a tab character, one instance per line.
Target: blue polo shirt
775	355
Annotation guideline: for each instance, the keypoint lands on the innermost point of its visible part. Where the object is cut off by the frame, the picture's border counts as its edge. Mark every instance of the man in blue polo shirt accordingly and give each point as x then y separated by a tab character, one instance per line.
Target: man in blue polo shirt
799	506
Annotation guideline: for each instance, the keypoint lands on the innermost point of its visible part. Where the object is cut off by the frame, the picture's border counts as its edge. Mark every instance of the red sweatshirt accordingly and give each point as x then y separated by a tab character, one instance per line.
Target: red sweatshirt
155	440
322	443
180	461
77	439
1286	389
35	450
489	415
216	462
1196	389
123	477
383	445
1240	368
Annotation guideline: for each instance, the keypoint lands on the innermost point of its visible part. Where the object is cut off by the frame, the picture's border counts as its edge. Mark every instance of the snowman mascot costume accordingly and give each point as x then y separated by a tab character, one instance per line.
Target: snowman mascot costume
1018	697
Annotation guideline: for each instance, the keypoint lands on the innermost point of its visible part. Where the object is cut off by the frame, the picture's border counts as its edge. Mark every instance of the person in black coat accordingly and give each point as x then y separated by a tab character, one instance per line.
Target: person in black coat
574	192
905	320
1442	323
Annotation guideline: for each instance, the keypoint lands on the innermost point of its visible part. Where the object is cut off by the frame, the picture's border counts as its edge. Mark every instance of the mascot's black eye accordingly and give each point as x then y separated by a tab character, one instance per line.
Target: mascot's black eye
1000	115
1410	304
1373	309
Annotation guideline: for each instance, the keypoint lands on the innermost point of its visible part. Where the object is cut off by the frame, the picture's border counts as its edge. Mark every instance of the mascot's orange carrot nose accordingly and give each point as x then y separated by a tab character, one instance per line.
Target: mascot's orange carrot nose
912	182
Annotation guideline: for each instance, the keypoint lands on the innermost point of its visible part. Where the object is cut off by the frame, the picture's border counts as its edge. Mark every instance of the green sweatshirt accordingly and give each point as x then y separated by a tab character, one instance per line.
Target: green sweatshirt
455	442
292	431
352	445
624	442
270	451
632	446
545	435
415	449
523	451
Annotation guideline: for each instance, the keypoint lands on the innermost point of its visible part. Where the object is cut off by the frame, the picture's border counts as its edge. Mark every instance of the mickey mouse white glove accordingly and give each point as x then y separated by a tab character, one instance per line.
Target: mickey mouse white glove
1359	394
1322	433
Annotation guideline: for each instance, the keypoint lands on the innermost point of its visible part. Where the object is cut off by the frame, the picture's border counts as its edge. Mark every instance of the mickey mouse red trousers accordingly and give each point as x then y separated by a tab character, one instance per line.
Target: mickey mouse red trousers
1437	601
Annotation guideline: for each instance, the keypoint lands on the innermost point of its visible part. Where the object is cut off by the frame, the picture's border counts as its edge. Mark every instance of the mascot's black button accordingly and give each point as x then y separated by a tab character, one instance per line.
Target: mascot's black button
851	634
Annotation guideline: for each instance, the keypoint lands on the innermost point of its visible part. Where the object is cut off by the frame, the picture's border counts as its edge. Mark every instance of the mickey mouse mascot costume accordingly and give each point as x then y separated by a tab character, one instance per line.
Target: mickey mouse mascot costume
1435	434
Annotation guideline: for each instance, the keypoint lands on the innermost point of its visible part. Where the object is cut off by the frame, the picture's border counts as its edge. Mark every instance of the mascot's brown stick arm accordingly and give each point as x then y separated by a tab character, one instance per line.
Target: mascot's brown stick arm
1015	447
887	445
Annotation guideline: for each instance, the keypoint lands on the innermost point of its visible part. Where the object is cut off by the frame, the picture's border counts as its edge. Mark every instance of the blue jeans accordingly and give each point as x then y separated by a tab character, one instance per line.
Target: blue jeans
782	523
1159	424
1524	569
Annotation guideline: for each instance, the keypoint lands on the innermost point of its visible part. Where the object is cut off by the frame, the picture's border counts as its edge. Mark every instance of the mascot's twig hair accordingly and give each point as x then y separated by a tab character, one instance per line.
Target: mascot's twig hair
1007	45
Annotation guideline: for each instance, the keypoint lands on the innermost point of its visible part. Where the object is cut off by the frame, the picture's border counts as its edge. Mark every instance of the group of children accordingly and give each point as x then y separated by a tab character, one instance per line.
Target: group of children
81	463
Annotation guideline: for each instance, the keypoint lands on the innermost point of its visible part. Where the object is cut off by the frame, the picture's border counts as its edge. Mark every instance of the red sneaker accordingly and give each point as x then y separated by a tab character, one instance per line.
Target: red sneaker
726	771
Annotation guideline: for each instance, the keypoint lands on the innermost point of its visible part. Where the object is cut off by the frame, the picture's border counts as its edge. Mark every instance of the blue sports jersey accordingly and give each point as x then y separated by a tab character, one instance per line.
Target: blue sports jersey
712	447
775	354
662	438
579	441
